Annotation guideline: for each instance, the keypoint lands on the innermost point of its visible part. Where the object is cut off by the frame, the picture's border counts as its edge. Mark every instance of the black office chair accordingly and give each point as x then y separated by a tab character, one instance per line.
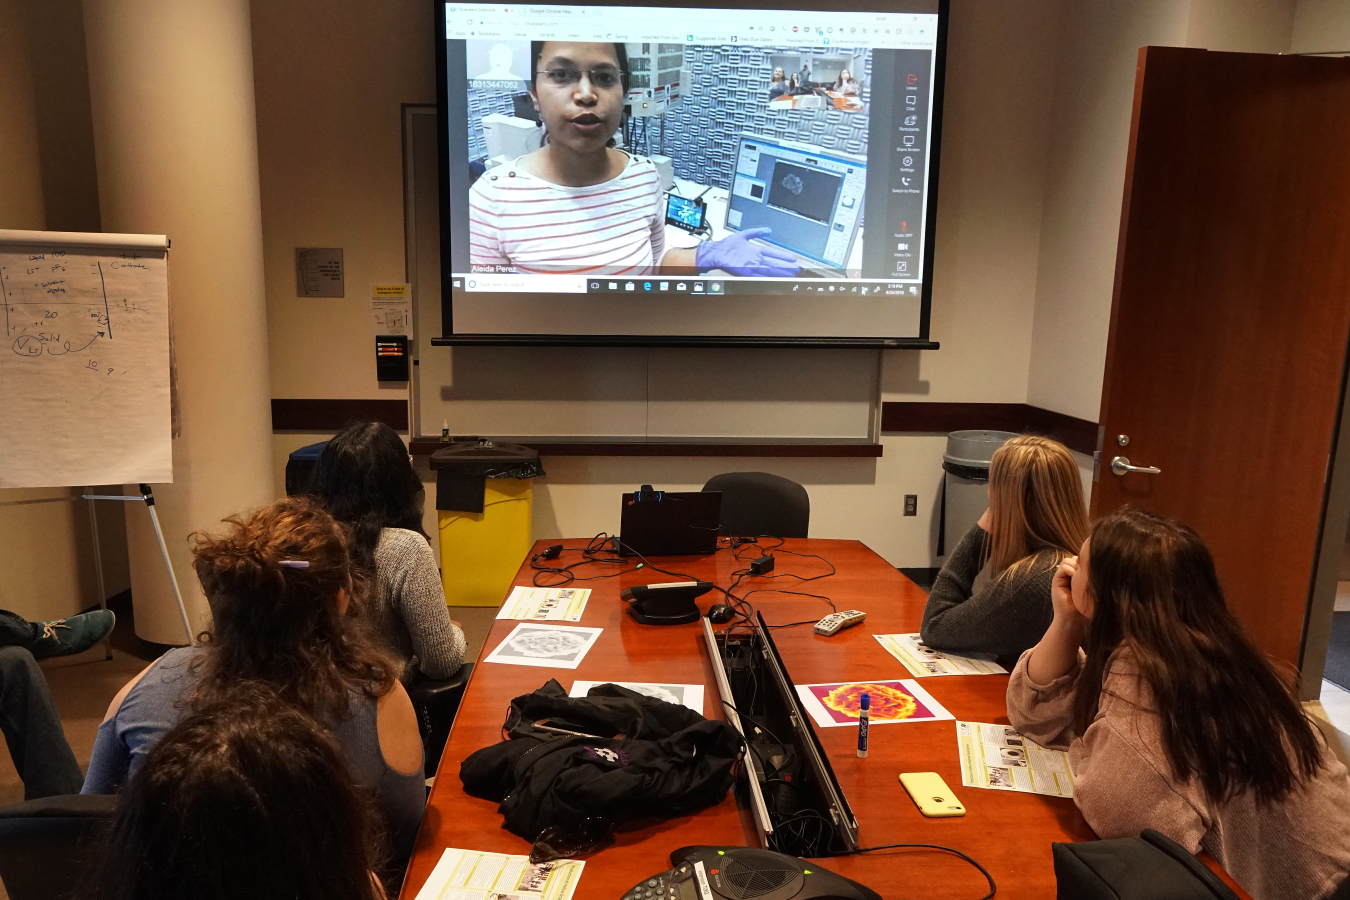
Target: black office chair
755	503
436	703
47	845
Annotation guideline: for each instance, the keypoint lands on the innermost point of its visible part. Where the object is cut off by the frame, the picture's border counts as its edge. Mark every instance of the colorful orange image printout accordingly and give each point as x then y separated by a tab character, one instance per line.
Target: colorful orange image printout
891	701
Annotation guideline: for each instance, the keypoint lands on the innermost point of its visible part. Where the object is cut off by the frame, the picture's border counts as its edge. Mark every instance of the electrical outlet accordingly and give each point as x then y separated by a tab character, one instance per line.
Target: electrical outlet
911	504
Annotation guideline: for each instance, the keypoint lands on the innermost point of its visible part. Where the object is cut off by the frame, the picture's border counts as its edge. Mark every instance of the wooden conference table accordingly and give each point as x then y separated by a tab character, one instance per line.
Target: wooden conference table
1008	833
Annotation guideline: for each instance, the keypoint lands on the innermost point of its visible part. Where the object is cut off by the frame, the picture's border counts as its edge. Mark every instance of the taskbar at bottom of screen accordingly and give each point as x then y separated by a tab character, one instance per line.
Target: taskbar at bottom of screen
759	287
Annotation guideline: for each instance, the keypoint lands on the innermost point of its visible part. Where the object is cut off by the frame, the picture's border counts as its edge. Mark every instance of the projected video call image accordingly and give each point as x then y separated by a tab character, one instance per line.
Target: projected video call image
607	159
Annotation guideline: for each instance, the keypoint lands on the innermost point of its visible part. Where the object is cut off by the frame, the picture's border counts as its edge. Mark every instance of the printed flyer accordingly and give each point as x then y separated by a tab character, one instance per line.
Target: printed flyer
997	757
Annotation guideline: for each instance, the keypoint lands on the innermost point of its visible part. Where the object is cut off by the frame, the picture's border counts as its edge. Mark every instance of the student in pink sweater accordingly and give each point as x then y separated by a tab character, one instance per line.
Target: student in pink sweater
1173	720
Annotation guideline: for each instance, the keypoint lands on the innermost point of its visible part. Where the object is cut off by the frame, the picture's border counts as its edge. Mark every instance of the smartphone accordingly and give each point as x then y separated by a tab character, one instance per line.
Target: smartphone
931	794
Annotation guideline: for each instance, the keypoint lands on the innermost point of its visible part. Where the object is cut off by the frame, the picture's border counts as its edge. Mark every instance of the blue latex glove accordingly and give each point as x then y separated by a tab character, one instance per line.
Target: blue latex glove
739	254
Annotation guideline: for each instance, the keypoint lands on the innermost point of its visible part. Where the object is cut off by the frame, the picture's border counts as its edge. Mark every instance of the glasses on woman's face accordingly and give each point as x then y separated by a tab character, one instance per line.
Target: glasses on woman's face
602	77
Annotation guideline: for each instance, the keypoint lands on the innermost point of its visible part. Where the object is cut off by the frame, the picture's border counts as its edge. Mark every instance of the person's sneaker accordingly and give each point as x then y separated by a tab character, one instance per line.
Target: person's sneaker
62	637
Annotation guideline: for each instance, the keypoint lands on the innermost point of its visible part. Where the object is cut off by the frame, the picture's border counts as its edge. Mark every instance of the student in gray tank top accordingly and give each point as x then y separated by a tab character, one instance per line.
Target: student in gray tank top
279	584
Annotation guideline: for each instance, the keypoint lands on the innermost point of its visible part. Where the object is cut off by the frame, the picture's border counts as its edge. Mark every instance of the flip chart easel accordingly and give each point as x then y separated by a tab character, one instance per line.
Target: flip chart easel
84	368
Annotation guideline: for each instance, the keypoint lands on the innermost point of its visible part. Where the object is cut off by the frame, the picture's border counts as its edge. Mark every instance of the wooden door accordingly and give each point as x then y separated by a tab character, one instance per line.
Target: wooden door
1230	316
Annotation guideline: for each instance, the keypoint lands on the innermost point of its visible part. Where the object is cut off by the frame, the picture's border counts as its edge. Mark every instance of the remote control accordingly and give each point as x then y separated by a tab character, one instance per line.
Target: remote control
836	622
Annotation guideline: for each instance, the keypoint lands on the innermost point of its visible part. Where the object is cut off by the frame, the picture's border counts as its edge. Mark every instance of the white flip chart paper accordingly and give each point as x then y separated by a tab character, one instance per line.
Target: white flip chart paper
84	360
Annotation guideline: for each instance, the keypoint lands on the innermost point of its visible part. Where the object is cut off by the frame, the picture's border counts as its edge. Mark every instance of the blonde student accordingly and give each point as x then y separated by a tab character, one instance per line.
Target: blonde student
1174	721
1036	517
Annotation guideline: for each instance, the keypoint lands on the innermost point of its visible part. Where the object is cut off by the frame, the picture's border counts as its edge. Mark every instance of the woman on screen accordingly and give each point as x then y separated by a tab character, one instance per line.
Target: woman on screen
580	206
778	86
993	595
1174	721
846	84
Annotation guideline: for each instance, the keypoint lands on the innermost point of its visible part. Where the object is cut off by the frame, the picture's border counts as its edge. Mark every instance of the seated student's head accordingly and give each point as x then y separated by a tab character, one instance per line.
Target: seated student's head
1036	502
279	582
795	81
247	798
1148	584
579	88
844	77
365	479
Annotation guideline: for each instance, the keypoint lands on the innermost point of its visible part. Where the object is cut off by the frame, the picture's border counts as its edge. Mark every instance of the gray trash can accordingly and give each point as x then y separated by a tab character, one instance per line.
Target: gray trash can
965	484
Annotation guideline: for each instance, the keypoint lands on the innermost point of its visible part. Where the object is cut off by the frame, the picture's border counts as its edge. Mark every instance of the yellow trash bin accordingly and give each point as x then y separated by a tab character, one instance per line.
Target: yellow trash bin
485	515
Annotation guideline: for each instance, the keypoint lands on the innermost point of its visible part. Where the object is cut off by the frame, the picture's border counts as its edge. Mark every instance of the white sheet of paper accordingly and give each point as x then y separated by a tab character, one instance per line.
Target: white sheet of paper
690	695
471	875
545	604
997	757
552	646
85	366
925	708
925	662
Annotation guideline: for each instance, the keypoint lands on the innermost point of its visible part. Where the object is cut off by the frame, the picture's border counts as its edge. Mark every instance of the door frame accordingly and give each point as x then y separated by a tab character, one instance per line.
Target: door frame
1331	541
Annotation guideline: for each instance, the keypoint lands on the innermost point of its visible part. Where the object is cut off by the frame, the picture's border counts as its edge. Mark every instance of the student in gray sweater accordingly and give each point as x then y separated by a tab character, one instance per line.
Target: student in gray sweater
1174	721
366	480
993	595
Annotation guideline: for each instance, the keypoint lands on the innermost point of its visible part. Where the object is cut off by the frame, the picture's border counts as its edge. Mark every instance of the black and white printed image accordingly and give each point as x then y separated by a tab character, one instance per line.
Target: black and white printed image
529	644
1013	756
671	693
1001	778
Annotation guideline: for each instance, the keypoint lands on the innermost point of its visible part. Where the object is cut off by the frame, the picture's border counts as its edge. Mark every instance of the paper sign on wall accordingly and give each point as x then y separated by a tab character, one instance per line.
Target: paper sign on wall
391	309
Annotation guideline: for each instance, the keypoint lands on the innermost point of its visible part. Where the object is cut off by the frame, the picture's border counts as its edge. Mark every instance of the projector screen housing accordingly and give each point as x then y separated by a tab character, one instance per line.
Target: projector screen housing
805	140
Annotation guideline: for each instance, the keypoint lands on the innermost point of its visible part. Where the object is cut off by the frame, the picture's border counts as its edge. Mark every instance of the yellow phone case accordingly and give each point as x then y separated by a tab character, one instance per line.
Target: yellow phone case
931	794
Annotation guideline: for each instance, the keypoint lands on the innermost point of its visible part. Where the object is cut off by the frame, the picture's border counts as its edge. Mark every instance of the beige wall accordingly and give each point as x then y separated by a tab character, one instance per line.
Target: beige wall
45	535
1320	26
1098	54
20	161
330	78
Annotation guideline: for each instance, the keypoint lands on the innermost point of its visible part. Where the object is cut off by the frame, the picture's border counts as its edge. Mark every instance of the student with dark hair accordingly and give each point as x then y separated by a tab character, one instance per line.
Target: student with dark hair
279	583
1174	721
846	84
247	797
365	479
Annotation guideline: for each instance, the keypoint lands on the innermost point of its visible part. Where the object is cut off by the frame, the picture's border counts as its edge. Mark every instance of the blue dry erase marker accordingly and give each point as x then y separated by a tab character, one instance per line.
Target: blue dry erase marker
862	725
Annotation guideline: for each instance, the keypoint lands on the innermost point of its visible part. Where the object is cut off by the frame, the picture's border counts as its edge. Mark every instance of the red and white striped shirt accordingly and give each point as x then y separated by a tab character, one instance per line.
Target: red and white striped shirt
616	227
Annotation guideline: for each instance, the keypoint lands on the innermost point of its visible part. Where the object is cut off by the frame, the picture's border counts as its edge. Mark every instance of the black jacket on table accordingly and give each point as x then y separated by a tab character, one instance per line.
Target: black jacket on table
1005	617
649	759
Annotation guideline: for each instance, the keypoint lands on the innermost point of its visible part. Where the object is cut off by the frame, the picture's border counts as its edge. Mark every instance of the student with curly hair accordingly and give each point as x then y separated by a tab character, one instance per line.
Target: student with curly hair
279	582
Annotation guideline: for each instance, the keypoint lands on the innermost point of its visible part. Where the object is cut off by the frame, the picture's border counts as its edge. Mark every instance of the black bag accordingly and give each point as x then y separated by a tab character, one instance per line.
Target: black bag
651	759
1149	867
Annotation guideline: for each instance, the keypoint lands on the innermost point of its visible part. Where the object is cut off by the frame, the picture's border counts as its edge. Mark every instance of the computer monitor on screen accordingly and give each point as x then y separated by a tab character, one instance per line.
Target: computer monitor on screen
812	199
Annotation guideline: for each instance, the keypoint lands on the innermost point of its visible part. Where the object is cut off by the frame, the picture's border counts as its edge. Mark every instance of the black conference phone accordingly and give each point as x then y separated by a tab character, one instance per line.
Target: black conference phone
745	873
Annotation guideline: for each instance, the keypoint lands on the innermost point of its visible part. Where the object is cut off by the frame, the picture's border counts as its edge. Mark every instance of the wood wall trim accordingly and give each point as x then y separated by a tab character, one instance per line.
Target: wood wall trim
331	415
555	446
900	417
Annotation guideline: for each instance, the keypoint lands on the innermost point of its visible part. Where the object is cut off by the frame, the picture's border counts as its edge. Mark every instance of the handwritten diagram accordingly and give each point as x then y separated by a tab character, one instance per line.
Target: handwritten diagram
84	366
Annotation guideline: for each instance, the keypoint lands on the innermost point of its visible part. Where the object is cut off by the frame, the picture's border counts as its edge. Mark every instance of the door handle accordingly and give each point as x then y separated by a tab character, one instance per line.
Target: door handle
1120	466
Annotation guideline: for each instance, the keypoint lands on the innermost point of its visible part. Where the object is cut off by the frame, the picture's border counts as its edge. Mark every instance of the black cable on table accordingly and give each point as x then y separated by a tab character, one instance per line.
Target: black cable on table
993	888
